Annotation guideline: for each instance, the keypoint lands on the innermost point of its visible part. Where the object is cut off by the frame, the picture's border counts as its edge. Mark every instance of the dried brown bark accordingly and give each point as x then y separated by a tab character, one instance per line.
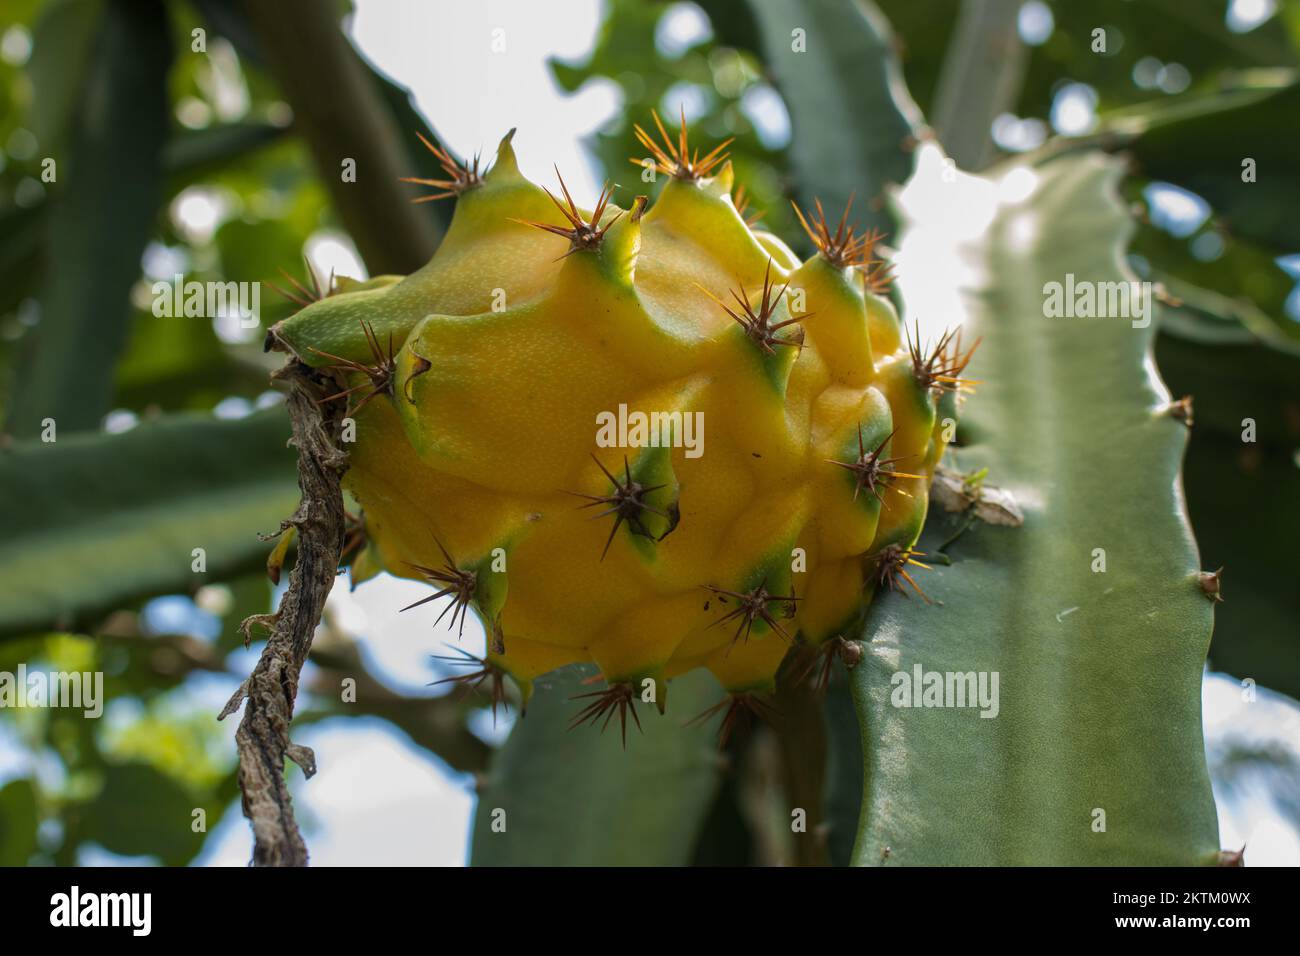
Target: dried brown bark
269	692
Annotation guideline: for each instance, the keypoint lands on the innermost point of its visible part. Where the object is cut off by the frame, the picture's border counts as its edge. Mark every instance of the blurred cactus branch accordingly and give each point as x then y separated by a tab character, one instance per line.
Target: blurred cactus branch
981	78
340	114
801	740
270	691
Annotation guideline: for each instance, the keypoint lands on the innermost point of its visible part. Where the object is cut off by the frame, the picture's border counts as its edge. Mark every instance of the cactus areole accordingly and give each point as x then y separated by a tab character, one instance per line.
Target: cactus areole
648	438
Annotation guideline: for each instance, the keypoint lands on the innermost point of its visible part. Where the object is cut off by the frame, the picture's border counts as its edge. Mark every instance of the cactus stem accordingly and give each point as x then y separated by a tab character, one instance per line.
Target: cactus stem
891	565
462	177
460	584
617	698
625	502
940	368
582	234
484	672
676	159
844	247
741	710
752	606
873	473
379	375
757	322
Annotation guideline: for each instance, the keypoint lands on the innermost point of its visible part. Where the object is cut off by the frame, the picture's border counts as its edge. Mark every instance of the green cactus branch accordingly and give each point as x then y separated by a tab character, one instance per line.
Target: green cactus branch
1091	614
982	75
341	115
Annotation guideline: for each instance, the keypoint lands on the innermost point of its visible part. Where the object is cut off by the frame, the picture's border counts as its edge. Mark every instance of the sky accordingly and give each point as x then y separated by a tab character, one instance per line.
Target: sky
478	69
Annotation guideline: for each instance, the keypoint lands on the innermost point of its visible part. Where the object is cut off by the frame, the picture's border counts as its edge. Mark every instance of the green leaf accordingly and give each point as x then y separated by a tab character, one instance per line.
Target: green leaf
577	798
109	191
853	125
18	821
92	521
1099	673
142	811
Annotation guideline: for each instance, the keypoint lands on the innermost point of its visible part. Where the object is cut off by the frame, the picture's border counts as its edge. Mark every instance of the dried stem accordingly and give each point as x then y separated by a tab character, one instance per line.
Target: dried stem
269	692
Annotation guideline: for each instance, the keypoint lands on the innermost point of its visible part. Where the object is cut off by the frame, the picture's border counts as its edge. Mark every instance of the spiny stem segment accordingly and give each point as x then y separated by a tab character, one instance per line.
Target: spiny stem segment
753	606
940	368
581	233
617	698
757	322
461	177
626	502
843	247
871	471
379	375
452	580
739	710
484	672
676	159
891	564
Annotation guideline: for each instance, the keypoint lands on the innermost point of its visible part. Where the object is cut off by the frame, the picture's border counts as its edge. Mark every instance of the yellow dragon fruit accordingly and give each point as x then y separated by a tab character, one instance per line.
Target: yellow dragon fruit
646	437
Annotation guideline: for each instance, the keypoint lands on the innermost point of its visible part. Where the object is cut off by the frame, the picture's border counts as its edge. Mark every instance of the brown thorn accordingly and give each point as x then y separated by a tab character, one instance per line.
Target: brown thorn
459	583
844	248
741	709
626	502
940	368
380	373
675	159
463	177
891	564
581	233
752	606
484	672
617	698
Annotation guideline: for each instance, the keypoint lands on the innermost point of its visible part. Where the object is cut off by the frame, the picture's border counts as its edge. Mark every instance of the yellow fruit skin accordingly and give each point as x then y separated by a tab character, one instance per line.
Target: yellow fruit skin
510	348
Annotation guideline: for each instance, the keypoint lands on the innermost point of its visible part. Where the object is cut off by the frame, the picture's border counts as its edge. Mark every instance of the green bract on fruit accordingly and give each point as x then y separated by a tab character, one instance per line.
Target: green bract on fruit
649	438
